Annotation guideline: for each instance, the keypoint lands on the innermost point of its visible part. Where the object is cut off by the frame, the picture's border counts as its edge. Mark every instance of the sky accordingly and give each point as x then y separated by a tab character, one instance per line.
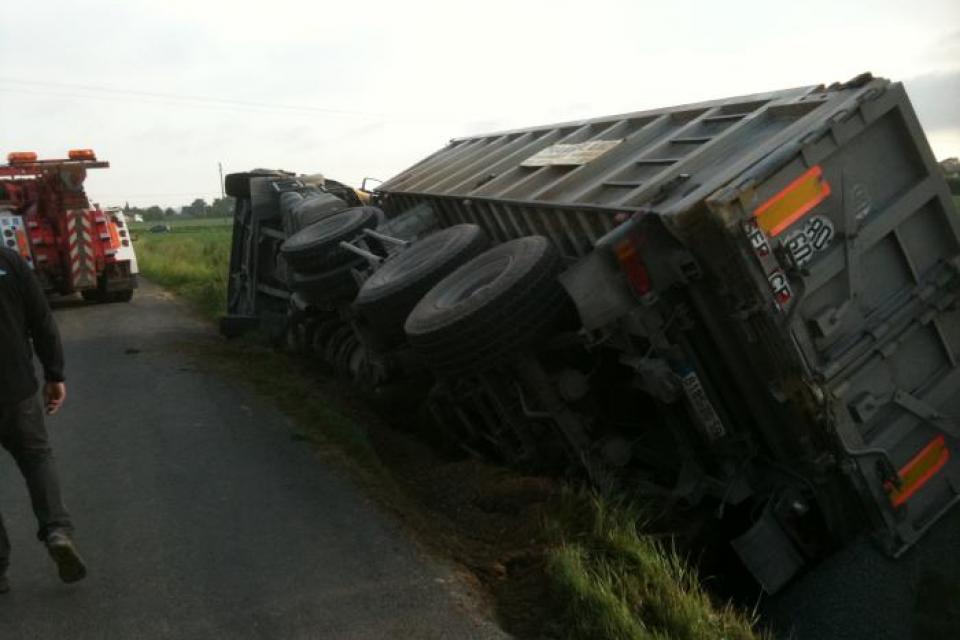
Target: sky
168	90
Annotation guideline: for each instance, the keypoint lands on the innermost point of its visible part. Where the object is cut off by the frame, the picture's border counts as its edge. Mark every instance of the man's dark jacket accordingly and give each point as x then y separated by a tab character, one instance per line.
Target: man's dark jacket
24	314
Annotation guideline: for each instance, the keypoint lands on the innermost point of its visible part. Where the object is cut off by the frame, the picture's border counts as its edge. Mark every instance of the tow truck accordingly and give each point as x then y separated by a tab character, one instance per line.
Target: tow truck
72	245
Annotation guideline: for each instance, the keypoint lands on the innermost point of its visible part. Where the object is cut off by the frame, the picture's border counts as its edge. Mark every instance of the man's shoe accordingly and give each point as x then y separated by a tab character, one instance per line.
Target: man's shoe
4	584
64	553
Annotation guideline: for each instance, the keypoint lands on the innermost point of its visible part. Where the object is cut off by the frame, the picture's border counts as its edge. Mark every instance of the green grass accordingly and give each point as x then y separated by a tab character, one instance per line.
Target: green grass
610	580
606	579
194	265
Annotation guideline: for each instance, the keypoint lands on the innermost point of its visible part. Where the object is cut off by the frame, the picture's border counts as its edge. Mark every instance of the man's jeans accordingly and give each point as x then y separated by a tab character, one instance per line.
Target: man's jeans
24	435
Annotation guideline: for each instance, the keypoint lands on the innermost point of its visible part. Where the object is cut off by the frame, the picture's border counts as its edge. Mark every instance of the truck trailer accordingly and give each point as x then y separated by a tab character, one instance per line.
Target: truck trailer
746	310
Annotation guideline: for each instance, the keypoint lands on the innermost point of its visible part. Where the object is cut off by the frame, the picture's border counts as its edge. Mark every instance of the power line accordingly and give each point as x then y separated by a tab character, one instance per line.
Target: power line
181	98
106	94
148	101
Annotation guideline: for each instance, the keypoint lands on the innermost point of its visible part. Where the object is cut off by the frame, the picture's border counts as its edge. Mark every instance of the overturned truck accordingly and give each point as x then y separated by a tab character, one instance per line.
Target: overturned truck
747	308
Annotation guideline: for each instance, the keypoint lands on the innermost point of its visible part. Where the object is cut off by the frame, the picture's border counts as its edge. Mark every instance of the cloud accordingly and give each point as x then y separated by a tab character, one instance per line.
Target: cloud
936	97
945	51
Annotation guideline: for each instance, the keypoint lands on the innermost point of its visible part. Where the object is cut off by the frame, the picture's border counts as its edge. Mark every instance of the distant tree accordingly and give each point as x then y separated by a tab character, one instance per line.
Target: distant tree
951	167
221	208
197	209
169	212
153	213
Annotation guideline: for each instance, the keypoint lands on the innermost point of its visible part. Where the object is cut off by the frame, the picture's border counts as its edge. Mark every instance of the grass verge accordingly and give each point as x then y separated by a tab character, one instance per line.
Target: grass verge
194	265
612	581
557	562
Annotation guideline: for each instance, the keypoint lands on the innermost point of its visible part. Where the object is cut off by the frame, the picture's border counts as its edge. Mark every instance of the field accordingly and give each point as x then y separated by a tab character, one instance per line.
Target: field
192	260
185	225
552	557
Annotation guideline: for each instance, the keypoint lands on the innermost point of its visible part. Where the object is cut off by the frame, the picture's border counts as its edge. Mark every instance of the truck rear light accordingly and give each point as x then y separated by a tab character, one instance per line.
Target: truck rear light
632	265
113	234
18	157
81	154
919	470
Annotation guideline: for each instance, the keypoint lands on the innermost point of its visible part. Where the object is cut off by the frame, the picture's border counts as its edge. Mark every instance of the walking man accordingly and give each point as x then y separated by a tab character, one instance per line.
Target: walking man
25	316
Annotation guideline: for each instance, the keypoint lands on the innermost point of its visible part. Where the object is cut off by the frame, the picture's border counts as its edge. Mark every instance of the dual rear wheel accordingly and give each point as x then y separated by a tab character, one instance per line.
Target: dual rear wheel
461	305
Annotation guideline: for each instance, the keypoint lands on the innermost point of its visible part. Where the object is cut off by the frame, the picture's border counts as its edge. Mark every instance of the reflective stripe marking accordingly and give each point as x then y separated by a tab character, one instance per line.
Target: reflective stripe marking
788	206
919	470
82	268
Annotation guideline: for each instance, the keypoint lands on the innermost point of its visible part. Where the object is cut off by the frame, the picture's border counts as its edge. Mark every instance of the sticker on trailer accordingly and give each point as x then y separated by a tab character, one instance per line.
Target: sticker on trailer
758	240
862	204
814	237
570	154
780	287
702	407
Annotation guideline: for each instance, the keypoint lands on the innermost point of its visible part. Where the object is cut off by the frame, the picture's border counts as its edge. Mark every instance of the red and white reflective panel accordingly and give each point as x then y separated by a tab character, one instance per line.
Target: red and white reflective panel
919	470
83	267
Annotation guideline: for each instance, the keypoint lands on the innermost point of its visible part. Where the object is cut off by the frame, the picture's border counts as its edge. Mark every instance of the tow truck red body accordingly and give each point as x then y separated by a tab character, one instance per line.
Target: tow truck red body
72	245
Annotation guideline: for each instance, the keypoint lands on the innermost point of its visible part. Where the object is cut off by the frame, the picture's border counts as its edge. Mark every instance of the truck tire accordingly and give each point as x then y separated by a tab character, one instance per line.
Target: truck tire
316	249
387	297
489	308
308	210
237	185
328	287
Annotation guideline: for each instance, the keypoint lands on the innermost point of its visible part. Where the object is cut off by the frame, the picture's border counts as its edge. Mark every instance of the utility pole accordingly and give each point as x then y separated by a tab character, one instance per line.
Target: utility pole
222	194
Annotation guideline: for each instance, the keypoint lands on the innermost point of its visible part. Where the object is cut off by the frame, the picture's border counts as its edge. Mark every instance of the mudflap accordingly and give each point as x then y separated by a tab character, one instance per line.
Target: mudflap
768	553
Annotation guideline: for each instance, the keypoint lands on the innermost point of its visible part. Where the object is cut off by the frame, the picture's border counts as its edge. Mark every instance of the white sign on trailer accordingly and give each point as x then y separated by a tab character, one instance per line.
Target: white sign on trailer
570	154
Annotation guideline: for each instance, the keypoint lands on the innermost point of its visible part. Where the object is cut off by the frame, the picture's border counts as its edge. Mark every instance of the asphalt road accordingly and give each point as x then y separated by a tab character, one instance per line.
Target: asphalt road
861	594
200	516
